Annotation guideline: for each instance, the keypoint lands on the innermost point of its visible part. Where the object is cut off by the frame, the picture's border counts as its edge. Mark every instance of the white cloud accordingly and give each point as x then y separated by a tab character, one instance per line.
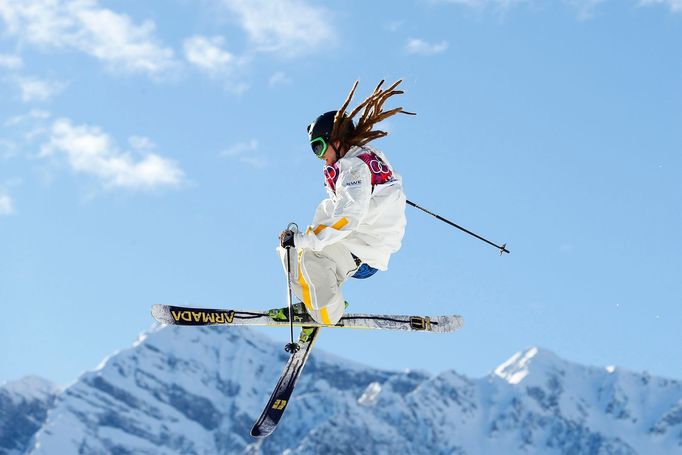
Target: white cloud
674	5
279	78
254	161
421	47
566	248
585	8
34	115
91	151
503	4
8	149
34	89
208	54
394	25
11	62
31	125
244	152
464	2
6	204
85	26
237	88
240	148
141	143
288	27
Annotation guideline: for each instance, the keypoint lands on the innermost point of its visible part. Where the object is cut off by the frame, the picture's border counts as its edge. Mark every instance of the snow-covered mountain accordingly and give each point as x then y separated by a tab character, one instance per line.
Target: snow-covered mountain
198	391
23	410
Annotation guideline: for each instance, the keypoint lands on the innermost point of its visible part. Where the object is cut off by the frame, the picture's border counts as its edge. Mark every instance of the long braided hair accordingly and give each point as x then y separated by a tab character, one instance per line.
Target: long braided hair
372	114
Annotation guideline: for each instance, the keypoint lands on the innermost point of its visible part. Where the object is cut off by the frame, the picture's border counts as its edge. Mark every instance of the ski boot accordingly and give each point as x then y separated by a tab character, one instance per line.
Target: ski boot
299	311
306	333
282	314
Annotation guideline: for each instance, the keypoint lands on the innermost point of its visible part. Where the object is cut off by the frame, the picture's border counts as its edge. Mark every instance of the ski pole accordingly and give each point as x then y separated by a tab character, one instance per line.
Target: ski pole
290	347
503	248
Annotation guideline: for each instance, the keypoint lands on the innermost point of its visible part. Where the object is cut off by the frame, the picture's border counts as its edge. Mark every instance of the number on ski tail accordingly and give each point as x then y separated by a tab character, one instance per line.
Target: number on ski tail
176	315
281	396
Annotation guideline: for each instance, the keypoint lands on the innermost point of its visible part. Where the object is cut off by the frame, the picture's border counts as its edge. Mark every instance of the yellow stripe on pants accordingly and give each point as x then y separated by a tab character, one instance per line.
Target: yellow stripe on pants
305	289
324	315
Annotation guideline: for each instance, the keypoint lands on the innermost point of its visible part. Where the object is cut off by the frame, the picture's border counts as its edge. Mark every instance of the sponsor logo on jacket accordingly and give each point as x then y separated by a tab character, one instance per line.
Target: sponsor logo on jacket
378	169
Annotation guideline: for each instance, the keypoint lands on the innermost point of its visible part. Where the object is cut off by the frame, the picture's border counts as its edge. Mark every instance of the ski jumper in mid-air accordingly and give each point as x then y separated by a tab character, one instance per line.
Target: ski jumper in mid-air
361	222
355	231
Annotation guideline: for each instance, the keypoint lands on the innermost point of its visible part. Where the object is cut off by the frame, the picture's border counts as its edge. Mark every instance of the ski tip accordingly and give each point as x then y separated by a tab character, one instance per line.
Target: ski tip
161	314
258	432
446	324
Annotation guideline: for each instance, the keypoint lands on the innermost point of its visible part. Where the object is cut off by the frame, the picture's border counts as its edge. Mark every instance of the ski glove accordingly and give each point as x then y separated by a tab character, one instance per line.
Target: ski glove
286	239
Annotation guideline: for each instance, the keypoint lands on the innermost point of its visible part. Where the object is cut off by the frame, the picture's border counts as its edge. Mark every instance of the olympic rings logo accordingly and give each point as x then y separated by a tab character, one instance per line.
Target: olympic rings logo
379	167
330	173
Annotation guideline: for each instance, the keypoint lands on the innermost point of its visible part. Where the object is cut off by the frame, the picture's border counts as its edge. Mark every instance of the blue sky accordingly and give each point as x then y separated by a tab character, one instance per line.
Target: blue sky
151	152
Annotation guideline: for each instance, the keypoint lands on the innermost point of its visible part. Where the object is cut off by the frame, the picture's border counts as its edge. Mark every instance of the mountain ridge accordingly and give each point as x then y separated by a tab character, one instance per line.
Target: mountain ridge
198	390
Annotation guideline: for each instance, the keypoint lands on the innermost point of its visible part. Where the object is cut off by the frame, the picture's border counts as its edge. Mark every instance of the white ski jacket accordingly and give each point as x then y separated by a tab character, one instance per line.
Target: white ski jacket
365	210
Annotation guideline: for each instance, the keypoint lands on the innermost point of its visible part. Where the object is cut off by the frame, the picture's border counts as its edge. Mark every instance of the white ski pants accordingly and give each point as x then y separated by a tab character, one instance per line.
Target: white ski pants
316	279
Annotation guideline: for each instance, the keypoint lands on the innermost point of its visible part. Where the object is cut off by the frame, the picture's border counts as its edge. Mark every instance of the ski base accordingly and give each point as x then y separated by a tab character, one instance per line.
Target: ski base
267	422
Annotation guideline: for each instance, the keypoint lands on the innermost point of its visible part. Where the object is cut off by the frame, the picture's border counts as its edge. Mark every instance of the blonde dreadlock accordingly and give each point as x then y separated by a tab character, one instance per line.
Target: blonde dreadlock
372	114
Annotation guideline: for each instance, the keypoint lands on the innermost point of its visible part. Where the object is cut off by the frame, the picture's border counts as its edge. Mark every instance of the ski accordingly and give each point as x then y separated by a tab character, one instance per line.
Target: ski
274	409
178	315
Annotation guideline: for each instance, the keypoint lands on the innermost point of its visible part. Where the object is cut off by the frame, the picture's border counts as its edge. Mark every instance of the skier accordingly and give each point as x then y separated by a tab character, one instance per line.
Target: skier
361	223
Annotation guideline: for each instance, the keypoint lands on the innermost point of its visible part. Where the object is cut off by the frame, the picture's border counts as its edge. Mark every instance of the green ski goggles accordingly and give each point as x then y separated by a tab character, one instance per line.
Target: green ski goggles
319	146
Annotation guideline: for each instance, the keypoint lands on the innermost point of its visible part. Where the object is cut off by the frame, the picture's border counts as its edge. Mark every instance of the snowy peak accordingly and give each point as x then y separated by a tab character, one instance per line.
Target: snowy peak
535	360
24	405
31	388
596	400
182	390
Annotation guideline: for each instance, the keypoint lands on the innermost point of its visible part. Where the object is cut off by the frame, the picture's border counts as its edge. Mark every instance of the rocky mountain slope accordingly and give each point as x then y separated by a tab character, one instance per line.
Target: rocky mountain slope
198	391
23	410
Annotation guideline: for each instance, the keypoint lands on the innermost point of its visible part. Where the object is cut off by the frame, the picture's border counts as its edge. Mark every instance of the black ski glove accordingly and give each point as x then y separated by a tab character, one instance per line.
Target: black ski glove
286	239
